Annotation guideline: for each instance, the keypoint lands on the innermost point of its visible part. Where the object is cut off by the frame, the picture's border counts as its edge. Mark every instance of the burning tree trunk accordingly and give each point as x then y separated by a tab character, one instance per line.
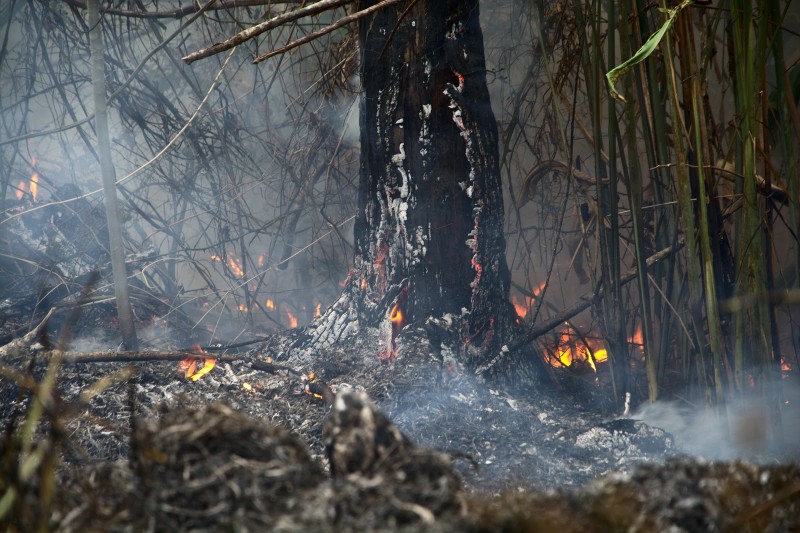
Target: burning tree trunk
429	230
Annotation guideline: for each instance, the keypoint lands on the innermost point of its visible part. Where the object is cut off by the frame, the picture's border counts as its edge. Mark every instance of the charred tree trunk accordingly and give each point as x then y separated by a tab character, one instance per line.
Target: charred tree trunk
429	231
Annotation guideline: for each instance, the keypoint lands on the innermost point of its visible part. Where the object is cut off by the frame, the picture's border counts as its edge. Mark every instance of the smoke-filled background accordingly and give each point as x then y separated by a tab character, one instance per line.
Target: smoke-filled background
241	220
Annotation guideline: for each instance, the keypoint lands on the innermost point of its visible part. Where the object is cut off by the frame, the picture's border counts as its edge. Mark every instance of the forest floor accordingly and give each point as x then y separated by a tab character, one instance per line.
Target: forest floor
245	449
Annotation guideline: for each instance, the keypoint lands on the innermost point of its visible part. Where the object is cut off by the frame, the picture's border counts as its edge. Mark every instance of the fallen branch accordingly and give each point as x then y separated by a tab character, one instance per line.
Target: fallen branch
309	382
21	346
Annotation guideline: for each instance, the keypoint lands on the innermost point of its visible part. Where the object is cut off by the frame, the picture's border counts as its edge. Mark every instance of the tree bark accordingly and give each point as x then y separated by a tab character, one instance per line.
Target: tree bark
429	230
116	249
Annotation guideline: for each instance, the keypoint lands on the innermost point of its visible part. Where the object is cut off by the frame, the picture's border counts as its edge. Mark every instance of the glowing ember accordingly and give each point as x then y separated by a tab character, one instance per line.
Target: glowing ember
292	320
243	308
270	305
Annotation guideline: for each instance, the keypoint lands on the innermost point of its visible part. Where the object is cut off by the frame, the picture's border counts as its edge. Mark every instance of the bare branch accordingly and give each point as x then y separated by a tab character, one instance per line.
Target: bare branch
258	29
344	21
179	12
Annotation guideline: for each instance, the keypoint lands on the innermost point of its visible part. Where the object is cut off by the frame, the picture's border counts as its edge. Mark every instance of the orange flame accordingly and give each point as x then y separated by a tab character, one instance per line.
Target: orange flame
260	261
311	379
243	308
637	341
292	320
234	265
20	190
34	188
318	310
270	304
522	308
188	366
396	317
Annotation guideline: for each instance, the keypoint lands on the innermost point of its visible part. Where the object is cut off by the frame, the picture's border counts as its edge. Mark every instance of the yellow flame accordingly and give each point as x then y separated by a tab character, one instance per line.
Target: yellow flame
292	320
318	310
270	305
396	315
571	349
208	364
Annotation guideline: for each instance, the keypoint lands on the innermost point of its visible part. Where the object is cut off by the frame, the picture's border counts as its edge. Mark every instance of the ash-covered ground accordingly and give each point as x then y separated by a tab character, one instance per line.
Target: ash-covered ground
245	449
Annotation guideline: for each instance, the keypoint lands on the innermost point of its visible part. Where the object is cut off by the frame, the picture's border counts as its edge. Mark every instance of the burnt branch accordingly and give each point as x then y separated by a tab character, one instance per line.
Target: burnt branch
344	21
17	346
258	29
219	5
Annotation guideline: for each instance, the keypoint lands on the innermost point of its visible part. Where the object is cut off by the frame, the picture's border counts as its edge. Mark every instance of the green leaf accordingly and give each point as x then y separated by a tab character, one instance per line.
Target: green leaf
642	53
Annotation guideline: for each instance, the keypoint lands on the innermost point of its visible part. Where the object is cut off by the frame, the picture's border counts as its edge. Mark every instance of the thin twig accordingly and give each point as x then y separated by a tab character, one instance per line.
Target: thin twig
344	21
258	29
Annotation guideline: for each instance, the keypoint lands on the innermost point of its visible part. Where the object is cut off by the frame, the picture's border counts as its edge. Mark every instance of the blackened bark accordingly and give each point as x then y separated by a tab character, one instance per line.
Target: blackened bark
429	231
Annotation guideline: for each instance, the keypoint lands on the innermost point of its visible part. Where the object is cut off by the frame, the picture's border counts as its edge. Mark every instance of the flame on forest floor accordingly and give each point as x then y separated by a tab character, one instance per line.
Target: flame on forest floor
309	385
189	366
31	186
270	304
572	347
292	320
233	264
318	310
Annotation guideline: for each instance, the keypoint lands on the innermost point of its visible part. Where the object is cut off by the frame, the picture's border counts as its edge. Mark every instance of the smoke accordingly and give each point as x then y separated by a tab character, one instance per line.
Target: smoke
751	428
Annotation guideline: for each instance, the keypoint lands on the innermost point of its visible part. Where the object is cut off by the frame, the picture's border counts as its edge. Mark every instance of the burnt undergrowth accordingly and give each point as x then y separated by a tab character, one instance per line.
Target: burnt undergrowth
411	442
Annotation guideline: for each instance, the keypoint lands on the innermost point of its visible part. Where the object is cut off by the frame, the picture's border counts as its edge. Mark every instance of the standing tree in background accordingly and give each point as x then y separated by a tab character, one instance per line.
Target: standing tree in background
116	246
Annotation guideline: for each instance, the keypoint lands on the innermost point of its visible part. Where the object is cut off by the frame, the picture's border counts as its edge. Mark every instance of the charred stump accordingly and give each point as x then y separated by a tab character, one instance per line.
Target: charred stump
429	241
